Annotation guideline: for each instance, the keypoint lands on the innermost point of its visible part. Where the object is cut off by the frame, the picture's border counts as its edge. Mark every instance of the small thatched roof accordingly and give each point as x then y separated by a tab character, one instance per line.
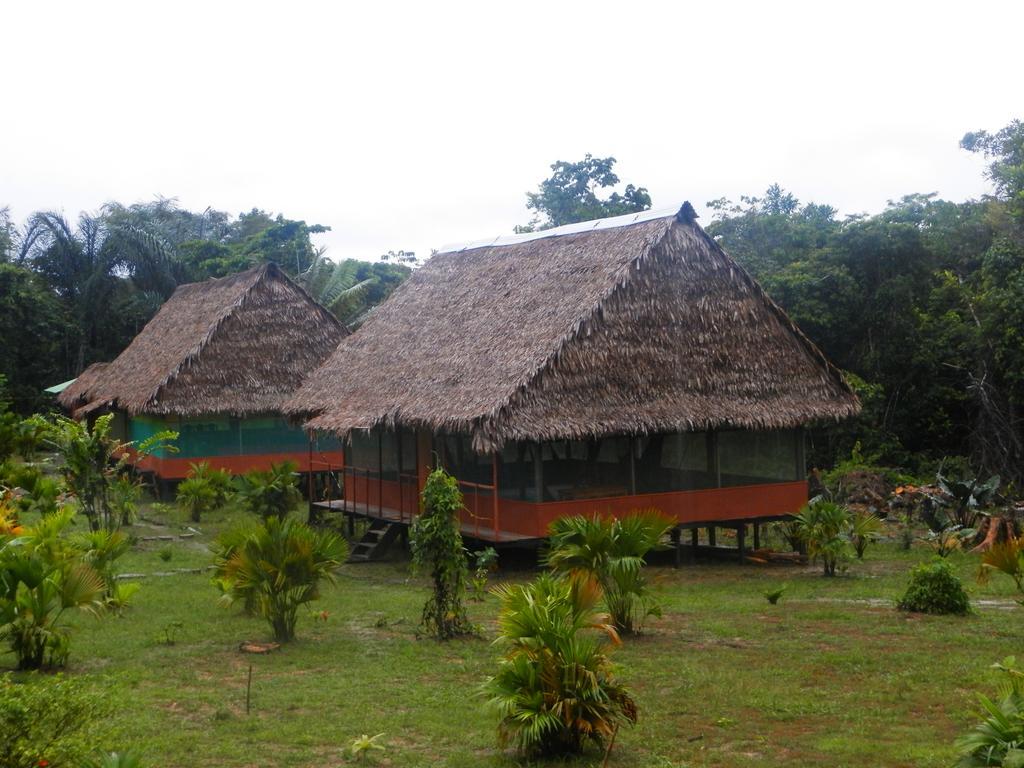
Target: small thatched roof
627	326
238	345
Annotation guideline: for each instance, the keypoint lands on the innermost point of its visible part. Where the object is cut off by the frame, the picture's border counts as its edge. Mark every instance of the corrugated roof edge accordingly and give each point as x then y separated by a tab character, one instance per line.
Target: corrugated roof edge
568	229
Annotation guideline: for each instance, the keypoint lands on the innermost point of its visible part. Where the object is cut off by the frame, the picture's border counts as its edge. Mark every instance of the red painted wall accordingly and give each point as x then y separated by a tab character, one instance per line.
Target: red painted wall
532	519
173	468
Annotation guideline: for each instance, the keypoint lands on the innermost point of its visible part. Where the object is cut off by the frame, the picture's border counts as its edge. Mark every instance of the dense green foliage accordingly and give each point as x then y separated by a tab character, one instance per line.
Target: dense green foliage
935	588
93	462
555	689
437	547
1006	557
276	568
922	303
998	740
47	721
612	551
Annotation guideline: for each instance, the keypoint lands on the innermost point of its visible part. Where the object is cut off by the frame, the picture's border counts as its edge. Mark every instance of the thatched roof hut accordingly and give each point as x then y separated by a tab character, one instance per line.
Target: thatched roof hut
631	325
238	346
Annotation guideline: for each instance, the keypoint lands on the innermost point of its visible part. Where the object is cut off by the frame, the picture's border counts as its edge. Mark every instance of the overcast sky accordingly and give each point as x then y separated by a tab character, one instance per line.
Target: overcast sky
412	125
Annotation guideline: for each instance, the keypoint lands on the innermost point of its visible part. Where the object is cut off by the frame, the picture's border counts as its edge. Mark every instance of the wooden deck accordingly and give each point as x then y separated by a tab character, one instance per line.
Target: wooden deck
479	533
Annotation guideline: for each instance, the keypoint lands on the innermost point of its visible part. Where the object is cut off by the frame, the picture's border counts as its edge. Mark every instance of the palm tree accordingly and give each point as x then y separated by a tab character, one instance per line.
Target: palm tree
611	550
555	689
90	264
337	286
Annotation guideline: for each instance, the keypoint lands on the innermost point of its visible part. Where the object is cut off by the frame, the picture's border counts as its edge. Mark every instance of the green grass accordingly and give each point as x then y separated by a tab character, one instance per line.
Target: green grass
831	676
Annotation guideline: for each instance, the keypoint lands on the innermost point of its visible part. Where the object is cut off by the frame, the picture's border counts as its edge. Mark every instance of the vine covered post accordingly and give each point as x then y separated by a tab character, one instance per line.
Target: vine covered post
437	546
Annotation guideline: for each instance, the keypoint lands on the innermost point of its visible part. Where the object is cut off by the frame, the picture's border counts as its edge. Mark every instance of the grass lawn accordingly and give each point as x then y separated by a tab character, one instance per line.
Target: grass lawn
831	676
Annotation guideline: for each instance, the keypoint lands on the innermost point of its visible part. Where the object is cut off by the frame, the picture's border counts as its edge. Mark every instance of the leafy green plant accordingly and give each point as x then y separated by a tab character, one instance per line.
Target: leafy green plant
774	595
437	546
1007	558
824	528
276	568
203	490
123	496
484	561
948	540
101	549
968	497
363	745
935	588
93	461
269	493
865	528
47	720
555	689
42	578
166	553
998	740
611	550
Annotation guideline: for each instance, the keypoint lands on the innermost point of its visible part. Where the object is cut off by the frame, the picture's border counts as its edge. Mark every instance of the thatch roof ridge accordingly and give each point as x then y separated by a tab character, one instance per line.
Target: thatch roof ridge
173	343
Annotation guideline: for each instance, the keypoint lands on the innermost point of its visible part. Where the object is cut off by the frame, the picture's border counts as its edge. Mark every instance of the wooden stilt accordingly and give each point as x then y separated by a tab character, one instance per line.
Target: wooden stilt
741	543
694	542
711	535
676	545
757	535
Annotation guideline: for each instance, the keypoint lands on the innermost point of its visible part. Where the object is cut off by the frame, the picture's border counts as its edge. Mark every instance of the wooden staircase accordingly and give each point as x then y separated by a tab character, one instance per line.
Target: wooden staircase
375	542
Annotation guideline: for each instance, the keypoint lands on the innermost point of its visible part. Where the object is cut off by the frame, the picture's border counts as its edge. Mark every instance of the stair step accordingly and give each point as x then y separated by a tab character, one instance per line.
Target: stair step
375	541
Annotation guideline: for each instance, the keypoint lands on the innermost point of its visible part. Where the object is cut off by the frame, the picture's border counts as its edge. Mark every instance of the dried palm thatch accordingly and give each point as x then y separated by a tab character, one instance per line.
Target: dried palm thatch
237	345
627	329
76	393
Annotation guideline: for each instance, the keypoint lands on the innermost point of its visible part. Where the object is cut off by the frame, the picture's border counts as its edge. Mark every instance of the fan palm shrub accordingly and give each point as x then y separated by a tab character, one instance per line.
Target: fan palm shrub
42	579
203	490
865	528
612	551
276	568
269	493
1006	557
824	528
555	689
998	740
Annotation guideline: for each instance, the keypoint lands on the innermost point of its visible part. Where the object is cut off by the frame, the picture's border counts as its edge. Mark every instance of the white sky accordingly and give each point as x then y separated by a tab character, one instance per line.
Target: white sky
412	125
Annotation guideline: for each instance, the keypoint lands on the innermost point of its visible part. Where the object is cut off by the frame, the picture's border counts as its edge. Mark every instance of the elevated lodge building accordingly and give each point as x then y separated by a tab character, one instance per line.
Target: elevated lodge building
596	368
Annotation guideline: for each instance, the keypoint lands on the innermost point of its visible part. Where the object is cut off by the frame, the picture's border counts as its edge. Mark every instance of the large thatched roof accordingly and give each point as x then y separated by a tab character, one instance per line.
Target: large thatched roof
237	345
631	325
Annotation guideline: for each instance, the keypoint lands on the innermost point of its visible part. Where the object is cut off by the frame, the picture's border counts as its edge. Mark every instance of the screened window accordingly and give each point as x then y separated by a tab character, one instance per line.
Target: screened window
461	461
517	475
586	469
752	457
382	451
674	462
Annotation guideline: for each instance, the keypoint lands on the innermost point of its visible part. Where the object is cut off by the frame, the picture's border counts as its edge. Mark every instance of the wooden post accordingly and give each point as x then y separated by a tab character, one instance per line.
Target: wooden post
694	541
676	545
757	535
741	542
312	517
711	535
494	494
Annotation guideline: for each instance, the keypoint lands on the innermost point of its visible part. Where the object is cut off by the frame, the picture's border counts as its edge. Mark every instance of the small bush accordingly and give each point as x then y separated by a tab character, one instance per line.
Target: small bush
934	588
47	721
204	490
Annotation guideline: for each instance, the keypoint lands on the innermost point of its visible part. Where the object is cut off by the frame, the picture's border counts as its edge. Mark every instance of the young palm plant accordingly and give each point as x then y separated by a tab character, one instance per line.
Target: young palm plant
555	690
612	551
277	568
865	528
269	493
999	738
824	527
203	490
1007	558
41	580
